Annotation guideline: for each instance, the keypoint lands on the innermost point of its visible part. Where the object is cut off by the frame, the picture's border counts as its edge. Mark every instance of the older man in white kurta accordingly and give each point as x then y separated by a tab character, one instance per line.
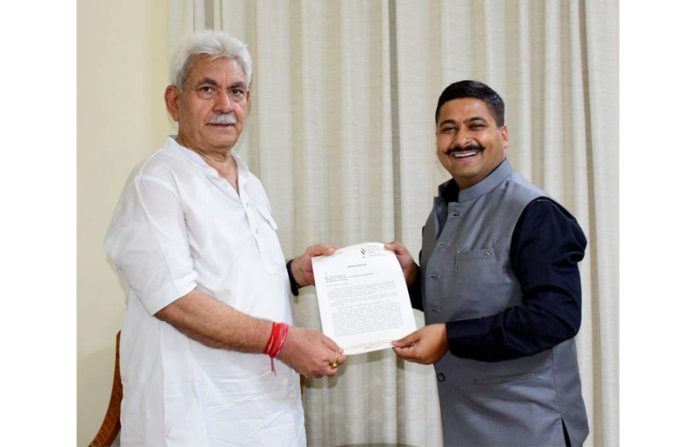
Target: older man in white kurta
196	249
180	226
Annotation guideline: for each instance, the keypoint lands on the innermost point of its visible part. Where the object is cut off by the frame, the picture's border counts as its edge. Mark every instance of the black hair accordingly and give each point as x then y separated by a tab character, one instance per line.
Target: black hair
473	89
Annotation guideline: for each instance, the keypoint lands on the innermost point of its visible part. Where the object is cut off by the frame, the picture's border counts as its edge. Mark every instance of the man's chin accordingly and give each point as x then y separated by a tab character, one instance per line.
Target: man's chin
224	140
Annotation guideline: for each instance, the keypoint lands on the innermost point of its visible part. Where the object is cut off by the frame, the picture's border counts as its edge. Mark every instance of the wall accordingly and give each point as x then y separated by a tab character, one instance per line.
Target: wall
122	58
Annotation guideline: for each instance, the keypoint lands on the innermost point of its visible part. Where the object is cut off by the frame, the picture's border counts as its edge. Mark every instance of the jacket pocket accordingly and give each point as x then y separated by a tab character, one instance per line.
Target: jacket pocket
483	254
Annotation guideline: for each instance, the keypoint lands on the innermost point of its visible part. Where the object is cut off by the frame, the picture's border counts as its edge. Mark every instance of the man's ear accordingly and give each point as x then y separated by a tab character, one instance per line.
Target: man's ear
504	134
171	99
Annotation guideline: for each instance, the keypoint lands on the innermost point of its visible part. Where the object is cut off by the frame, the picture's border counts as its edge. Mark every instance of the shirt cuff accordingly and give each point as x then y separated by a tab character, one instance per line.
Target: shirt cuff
294	287
171	292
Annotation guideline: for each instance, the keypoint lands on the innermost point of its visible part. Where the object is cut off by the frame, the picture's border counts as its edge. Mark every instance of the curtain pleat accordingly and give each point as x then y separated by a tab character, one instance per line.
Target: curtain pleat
341	133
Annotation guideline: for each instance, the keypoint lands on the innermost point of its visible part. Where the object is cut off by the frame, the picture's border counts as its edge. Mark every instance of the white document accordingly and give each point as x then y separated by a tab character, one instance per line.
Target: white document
363	299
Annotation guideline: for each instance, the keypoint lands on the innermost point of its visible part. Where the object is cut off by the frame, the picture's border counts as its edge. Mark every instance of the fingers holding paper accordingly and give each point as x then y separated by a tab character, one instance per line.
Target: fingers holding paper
426	345
408	265
311	353
301	266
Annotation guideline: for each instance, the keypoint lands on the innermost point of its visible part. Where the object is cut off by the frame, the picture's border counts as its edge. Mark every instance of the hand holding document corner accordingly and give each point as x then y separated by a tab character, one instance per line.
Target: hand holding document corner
363	299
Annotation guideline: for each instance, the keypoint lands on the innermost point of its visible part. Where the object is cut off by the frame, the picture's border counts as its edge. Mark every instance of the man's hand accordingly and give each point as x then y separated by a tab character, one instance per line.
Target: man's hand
406	261
311	353
426	345
301	267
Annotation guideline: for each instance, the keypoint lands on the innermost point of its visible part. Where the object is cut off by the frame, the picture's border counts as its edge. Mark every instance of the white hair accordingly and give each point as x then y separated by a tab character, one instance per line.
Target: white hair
217	45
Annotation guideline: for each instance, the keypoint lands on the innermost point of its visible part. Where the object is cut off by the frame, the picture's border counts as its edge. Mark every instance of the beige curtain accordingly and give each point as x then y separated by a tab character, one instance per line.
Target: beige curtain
341	134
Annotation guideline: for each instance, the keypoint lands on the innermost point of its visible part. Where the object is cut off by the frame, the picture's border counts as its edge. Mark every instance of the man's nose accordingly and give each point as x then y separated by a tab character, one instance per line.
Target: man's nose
461	138
223	102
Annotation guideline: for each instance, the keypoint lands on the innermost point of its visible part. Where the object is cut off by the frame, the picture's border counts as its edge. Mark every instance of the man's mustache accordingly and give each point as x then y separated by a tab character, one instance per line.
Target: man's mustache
470	147
225	118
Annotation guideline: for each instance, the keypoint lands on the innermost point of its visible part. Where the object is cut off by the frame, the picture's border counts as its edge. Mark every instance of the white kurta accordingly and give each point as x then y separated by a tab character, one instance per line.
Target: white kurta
180	226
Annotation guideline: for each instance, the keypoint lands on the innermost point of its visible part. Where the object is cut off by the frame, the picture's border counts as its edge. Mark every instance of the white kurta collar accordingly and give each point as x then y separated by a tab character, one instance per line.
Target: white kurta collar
195	158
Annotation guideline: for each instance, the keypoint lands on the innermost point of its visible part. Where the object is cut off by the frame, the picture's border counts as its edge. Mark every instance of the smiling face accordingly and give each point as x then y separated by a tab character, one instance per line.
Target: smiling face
469	143
211	108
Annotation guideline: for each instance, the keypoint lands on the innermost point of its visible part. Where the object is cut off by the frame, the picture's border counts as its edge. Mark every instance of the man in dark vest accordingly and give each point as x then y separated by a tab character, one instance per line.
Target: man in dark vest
499	284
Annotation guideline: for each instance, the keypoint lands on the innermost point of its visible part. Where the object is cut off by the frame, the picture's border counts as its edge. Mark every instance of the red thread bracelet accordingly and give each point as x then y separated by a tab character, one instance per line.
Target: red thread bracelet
279	332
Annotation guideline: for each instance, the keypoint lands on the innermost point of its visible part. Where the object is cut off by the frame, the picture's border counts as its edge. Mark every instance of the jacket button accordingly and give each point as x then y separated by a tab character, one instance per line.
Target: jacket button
440	377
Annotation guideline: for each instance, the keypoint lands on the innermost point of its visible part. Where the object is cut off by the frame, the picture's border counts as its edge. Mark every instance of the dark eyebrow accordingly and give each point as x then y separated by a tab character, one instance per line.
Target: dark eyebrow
474	119
447	122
